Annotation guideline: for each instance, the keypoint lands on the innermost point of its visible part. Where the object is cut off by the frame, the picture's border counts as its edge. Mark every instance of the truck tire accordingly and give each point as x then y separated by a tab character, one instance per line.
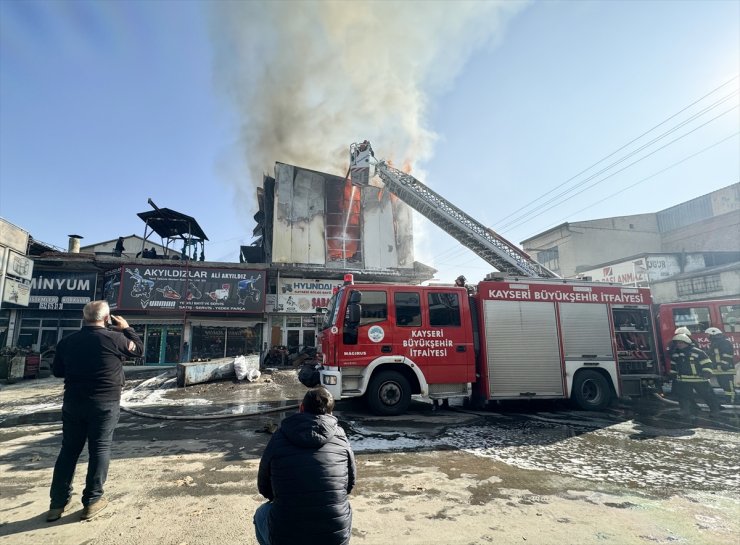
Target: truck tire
389	394
591	391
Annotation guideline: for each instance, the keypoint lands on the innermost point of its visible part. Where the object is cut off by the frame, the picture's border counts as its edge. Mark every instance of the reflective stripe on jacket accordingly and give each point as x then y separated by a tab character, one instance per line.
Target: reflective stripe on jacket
690	364
722	355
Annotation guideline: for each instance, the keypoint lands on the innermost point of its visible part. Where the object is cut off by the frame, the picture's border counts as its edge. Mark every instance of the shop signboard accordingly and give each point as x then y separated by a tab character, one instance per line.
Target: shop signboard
297	295
62	290
16	292
629	273
168	287
19	266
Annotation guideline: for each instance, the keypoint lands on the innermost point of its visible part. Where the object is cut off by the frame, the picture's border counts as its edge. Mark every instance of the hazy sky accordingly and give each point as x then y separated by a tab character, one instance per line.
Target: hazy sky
106	104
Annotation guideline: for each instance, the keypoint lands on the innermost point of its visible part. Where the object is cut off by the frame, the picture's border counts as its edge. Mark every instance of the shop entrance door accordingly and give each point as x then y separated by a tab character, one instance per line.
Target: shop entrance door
162	345
297	339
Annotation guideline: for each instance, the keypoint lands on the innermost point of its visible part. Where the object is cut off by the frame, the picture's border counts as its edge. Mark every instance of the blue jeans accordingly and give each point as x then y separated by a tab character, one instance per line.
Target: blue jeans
84	420
262	523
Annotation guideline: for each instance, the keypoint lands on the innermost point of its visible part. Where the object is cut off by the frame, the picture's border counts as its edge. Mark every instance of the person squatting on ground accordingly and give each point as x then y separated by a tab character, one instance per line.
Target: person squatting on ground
691	369
91	363
306	472
723	356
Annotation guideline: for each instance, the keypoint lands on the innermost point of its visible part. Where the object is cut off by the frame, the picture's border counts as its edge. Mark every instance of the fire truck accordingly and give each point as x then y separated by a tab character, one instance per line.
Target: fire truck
522	333
697	316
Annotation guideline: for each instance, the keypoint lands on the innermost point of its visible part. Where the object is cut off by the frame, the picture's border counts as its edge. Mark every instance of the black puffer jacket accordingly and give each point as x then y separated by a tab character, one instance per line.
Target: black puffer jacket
307	470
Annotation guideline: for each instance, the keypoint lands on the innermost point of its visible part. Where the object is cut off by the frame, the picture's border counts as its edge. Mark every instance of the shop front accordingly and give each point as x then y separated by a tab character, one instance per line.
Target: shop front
54	309
292	311
185	312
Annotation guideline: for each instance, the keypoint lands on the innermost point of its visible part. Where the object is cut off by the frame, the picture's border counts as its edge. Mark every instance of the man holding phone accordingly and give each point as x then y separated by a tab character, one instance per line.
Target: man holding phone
91	363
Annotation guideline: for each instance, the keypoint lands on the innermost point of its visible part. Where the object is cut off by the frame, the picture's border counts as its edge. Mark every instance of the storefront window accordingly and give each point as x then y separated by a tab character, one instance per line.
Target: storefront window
220	342
41	330
4	324
241	341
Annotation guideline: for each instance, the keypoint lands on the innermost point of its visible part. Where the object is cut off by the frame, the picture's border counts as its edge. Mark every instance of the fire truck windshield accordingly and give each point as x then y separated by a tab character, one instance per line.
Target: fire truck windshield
330	318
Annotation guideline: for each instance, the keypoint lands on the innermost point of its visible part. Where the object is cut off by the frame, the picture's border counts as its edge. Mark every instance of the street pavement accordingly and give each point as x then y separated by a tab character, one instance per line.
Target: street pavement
519	473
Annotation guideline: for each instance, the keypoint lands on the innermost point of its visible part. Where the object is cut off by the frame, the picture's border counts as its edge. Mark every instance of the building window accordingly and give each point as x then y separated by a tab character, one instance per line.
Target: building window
699	285
550	258
343	226
220	342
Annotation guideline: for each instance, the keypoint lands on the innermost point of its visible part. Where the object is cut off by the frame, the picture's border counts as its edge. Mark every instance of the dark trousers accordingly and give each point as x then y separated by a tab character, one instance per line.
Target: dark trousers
84	420
727	383
685	392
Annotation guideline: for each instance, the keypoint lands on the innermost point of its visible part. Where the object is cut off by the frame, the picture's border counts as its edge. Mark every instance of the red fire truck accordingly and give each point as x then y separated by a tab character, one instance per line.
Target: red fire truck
513	338
723	314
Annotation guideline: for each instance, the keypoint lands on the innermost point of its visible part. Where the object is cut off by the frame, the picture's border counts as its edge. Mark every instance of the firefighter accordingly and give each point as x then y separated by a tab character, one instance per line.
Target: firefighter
460	281
721	353
691	369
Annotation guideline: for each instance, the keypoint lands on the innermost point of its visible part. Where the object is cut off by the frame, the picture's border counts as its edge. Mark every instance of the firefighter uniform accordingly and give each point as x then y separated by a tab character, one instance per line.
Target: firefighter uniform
722	355
691	369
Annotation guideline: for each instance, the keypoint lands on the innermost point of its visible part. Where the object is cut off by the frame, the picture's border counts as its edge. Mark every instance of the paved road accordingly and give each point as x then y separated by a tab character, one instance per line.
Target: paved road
537	473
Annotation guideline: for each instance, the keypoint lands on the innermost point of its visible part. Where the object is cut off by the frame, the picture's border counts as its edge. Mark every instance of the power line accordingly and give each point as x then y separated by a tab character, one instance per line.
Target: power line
623	147
631	154
521	220
455	250
626	167
645	179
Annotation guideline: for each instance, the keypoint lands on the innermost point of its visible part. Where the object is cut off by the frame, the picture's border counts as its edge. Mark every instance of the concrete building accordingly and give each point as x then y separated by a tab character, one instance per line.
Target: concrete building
707	224
312	229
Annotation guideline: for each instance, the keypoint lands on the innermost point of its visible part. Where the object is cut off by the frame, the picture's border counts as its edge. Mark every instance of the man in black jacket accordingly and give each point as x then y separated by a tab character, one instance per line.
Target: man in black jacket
306	473
91	362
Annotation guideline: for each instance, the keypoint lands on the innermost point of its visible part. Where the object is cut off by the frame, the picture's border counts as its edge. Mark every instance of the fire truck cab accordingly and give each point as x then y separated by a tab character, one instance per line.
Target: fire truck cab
389	342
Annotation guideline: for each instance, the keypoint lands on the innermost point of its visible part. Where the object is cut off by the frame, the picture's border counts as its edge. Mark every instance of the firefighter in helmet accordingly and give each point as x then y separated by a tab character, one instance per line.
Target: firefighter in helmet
691	369
460	281
721	353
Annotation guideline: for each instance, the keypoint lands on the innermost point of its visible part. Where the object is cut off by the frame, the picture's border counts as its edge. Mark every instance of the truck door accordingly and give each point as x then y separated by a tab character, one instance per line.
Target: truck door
374	336
453	353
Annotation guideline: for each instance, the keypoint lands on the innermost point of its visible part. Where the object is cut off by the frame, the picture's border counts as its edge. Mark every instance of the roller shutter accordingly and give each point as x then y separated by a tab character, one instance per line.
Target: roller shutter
523	349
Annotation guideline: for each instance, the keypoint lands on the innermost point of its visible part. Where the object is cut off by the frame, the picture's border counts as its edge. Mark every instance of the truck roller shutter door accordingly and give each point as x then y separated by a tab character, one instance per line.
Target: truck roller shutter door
586	331
523	350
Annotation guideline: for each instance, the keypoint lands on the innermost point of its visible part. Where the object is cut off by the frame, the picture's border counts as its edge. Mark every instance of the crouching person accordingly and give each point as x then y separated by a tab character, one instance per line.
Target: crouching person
306	473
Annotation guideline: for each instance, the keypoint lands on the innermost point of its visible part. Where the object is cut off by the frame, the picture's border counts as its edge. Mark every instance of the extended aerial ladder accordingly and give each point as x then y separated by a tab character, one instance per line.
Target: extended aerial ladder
489	246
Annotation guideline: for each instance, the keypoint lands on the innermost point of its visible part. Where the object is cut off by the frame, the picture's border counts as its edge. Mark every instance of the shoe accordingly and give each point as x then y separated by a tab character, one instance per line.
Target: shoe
55	513
92	510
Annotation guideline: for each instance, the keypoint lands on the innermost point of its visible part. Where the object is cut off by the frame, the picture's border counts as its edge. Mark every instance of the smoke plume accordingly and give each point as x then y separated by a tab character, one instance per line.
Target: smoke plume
310	77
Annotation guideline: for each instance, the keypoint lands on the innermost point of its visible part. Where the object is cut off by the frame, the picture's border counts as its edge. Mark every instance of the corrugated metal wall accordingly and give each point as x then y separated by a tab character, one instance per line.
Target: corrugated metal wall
301	219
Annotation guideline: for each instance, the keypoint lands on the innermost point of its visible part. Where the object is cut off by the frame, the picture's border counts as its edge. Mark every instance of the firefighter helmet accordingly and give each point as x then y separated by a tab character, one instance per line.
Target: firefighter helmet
681	338
682	331
712	331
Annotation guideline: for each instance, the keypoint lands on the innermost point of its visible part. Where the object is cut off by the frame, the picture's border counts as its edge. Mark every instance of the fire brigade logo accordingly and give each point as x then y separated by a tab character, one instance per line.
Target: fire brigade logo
376	333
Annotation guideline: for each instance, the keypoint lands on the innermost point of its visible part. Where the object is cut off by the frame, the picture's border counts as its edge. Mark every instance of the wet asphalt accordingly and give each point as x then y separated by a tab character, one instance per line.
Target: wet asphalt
641	446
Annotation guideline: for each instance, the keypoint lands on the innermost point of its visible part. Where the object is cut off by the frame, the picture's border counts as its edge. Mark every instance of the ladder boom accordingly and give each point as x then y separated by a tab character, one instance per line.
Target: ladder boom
489	246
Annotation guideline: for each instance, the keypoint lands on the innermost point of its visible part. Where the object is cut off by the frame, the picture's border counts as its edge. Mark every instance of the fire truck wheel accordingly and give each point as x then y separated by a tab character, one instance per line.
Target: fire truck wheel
591	391
389	393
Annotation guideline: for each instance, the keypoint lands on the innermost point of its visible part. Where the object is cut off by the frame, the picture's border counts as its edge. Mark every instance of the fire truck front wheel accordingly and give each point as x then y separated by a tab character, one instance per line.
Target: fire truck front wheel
591	391
389	393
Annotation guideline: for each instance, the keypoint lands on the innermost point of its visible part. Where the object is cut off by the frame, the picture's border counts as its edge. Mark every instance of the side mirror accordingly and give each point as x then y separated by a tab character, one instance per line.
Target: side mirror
355	297
354	312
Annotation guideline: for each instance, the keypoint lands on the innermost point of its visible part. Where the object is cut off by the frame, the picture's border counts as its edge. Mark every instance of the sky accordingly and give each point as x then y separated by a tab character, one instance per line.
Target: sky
106	104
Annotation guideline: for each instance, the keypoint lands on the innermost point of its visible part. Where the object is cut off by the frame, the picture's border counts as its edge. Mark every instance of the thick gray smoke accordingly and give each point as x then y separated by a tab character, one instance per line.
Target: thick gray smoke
310	77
